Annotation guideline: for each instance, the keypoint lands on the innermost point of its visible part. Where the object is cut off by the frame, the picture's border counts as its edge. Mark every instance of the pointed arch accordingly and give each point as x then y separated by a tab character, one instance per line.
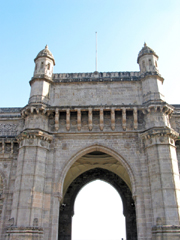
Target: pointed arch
89	149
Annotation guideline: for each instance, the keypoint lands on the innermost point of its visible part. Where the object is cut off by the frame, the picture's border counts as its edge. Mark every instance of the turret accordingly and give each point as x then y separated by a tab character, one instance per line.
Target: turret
43	72
147	60
44	63
150	77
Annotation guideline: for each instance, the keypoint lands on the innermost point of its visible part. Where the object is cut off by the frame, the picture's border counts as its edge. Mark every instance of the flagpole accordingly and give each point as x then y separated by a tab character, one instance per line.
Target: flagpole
96	54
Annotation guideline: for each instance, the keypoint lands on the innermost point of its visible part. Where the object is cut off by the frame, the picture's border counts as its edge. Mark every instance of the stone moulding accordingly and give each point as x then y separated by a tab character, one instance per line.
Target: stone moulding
166	229
159	132
26	230
40	77
34	134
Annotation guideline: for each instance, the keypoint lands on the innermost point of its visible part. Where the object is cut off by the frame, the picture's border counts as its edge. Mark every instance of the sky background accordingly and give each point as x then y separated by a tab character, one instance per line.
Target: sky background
69	26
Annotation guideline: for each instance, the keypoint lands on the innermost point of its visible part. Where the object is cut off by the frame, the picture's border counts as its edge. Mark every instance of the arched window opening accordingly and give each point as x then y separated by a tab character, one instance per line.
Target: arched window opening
98	213
150	62
36	66
48	66
42	65
143	65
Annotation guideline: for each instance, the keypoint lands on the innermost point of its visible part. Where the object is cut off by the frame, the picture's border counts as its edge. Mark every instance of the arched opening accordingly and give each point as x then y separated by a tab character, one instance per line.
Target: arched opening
92	163
98	213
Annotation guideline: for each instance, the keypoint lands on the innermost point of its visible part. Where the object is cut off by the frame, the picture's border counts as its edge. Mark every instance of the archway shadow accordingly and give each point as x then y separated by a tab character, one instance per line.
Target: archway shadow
67	207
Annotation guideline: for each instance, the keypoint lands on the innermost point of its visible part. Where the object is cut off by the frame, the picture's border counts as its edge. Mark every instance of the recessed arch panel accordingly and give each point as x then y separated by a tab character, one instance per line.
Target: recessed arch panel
103	149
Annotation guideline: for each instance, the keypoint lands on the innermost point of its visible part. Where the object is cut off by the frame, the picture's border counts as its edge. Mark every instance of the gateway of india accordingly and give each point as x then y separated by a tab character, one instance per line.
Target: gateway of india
79	127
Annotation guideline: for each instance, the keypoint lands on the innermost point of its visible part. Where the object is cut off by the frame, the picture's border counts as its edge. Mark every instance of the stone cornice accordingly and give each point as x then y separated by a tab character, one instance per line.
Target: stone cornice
44	109
166	229
155	75
40	77
161	107
32	134
159	132
159	136
24	230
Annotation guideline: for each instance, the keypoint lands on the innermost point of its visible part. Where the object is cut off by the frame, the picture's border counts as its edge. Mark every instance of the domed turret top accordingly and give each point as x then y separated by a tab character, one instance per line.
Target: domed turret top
146	51
45	53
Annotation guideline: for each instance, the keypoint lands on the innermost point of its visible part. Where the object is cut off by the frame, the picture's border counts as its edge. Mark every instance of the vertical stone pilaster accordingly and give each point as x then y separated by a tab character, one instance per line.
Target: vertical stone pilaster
164	180
135	118
101	126
68	119
124	118
90	118
57	119
27	204
79	119
112	119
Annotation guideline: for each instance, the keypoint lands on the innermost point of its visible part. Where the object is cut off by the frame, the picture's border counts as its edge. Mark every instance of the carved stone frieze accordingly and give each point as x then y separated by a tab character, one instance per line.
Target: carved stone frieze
165	108
28	110
8	129
159	136
34	138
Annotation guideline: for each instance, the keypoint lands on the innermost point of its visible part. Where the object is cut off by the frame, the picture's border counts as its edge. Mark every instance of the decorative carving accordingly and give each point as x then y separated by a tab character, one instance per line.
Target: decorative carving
101	119
34	134
112	119
90	118
166	229
79	119
68	119
8	129
24	230
159	136
161	108
57	119
124	118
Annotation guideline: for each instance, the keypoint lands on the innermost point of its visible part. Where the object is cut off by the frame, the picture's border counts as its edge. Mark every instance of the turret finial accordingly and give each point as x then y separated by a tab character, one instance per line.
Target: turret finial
46	47
145	45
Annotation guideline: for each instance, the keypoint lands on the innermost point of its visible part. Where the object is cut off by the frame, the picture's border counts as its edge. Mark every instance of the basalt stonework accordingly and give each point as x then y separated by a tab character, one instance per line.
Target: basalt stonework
79	127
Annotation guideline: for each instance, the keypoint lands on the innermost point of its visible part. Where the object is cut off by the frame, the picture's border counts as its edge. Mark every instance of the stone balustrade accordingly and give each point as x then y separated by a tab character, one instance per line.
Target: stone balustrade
106	116
8	146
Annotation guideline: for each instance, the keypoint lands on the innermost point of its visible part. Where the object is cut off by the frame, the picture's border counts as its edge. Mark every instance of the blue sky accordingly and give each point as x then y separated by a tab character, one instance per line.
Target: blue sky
68	27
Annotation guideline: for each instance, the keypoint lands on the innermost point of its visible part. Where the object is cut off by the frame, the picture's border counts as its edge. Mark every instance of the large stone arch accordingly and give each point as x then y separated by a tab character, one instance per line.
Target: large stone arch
89	149
67	207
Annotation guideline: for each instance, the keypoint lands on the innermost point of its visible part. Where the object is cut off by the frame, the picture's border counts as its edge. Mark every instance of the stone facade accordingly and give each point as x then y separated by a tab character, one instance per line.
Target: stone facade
77	127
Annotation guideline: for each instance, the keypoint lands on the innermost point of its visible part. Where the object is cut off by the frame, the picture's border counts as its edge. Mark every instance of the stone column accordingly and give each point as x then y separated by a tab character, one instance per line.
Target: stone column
165	182
29	186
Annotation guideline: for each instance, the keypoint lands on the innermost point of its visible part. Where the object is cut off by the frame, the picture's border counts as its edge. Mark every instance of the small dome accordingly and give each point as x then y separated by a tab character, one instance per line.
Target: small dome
146	51
45	53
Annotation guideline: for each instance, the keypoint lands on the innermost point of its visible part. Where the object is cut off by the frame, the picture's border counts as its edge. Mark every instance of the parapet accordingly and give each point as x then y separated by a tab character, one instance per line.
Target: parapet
96	76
